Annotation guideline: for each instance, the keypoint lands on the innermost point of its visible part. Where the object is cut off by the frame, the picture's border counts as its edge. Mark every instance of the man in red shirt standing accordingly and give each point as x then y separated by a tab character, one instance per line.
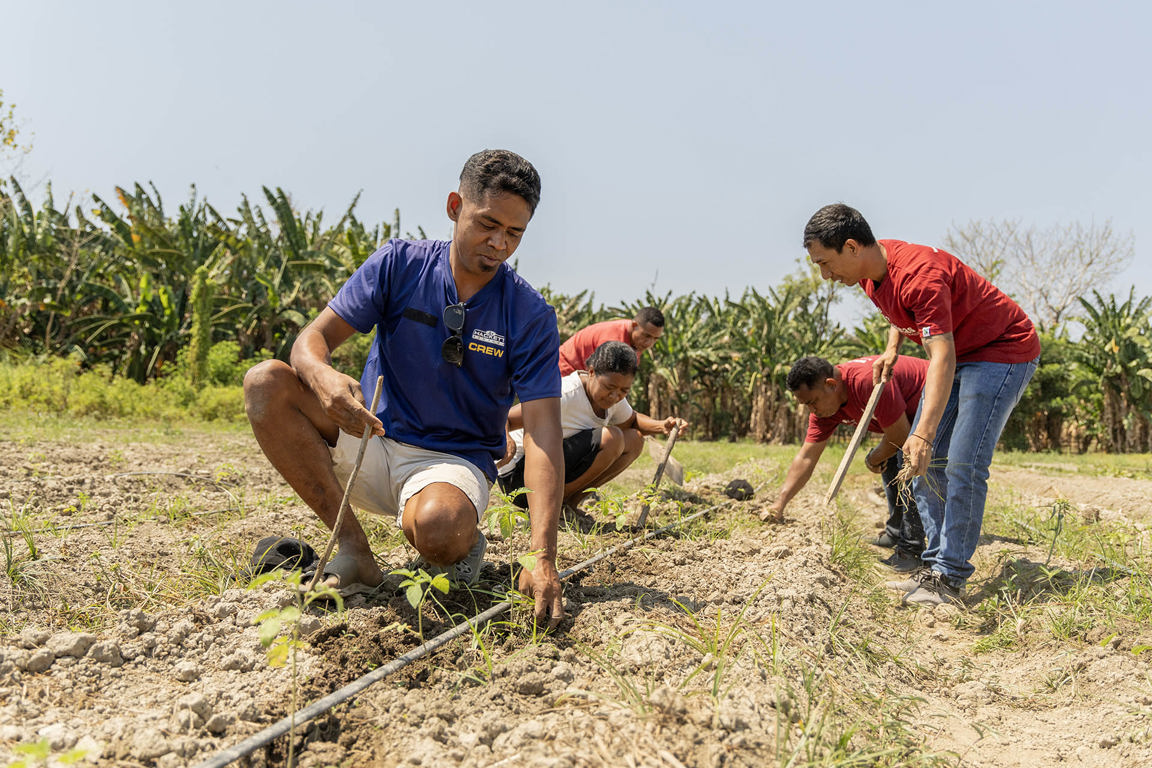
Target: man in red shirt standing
982	351
838	394
640	333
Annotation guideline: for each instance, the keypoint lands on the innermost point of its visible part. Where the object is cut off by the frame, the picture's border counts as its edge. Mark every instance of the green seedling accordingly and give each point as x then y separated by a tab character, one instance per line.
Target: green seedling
418	586
282	647
40	753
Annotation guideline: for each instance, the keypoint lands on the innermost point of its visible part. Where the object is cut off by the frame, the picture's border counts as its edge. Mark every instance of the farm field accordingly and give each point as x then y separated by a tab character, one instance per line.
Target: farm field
129	636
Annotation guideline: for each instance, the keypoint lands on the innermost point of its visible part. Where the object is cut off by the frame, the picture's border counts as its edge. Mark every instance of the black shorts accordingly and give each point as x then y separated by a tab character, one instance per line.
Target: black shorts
579	452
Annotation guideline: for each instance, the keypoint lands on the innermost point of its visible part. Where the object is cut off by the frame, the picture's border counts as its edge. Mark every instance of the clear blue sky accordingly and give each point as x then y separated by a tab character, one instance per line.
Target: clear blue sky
682	146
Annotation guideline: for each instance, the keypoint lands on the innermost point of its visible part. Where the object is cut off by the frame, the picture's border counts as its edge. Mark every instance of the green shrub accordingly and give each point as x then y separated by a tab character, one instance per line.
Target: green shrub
214	403
60	386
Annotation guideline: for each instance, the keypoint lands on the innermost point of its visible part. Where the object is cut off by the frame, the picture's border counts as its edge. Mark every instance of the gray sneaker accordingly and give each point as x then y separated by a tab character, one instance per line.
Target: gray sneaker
467	571
911	583
902	562
936	589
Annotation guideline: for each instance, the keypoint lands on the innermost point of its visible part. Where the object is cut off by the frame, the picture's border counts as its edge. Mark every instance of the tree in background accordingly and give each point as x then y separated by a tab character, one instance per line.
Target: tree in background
1117	349
12	142
1072	258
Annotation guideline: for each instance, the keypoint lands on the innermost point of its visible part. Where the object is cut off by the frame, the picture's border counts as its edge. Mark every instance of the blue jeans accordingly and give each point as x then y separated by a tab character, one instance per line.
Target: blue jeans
951	495
903	523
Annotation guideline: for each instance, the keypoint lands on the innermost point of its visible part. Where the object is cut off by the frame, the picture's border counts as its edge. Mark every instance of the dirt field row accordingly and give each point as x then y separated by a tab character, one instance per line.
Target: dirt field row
728	643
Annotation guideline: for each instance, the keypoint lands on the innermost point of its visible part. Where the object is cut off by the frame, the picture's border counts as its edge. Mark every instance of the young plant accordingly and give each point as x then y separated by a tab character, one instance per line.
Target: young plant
418	586
40	753
281	647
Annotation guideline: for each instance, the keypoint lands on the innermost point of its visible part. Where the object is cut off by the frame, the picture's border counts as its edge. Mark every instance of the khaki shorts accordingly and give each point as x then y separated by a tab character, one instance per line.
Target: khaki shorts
393	472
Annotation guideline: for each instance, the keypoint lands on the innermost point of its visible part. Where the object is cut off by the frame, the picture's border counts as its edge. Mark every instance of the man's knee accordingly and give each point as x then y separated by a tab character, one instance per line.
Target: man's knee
263	384
633	443
442	526
612	441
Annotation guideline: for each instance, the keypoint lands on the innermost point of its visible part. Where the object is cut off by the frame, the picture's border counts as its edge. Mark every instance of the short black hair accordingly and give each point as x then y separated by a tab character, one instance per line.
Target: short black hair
833	225
809	371
498	170
650	315
613	357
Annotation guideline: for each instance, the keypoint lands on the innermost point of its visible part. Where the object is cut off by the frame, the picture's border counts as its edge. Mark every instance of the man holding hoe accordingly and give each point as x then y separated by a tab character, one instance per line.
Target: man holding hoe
458	335
982	351
836	394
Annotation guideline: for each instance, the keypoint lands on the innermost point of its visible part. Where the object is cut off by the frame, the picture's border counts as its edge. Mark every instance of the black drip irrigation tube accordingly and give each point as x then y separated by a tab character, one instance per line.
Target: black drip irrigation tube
320	706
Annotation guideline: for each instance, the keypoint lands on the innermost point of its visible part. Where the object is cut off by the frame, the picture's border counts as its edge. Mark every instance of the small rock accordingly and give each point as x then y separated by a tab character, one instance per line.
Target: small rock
531	684
195	702
74	644
149	744
562	671
106	652
240	661
1109	741
220	722
31	637
92	750
187	671
183	628
58	736
308	626
138	620
186	721
11	733
39	661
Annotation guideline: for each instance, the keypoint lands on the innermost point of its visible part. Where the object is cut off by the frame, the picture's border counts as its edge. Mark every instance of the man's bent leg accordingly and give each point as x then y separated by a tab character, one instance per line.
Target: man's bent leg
930	491
440	522
909	535
893	494
608	449
294	432
631	444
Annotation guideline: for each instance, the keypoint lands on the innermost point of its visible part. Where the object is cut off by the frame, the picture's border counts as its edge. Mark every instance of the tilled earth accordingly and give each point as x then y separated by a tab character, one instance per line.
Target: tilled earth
130	638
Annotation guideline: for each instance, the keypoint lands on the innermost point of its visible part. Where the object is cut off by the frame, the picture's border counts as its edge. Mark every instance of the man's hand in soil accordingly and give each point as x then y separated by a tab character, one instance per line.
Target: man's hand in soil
543	583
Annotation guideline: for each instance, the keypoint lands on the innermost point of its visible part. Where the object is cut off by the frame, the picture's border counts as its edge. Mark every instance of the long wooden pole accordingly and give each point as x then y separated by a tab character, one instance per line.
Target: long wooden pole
857	437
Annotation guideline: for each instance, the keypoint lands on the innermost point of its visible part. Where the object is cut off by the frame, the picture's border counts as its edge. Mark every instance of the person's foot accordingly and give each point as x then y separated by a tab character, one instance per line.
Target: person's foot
348	574
912	582
884	540
467	571
578	498
936	589
902	561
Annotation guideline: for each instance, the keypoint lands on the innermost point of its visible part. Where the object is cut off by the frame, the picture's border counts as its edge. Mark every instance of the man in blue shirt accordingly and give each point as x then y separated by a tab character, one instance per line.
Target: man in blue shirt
458	336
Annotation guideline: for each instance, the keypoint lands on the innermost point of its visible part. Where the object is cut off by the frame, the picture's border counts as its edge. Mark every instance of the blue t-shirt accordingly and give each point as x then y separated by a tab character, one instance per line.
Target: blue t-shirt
510	348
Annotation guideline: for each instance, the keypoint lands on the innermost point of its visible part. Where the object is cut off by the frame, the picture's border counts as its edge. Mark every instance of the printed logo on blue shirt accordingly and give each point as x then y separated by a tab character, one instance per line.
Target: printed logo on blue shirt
487	343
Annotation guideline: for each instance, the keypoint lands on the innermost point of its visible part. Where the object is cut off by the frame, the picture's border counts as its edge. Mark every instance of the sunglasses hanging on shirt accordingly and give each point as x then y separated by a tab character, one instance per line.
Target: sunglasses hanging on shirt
452	350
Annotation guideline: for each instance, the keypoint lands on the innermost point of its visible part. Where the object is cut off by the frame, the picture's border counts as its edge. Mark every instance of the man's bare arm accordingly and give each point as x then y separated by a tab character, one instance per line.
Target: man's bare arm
937	389
799	472
544	475
895	435
338	393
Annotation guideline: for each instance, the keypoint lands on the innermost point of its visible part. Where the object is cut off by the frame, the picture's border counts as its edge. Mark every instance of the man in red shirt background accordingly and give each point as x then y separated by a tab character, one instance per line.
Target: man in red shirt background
640	333
838	394
982	351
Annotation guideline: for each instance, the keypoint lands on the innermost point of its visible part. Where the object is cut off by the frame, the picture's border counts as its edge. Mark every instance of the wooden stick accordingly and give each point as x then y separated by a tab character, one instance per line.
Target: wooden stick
319	574
659	472
857	437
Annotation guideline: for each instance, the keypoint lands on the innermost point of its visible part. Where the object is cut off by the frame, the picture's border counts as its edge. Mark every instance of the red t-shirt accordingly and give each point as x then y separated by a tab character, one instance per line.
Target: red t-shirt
929	292
574	352
901	395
